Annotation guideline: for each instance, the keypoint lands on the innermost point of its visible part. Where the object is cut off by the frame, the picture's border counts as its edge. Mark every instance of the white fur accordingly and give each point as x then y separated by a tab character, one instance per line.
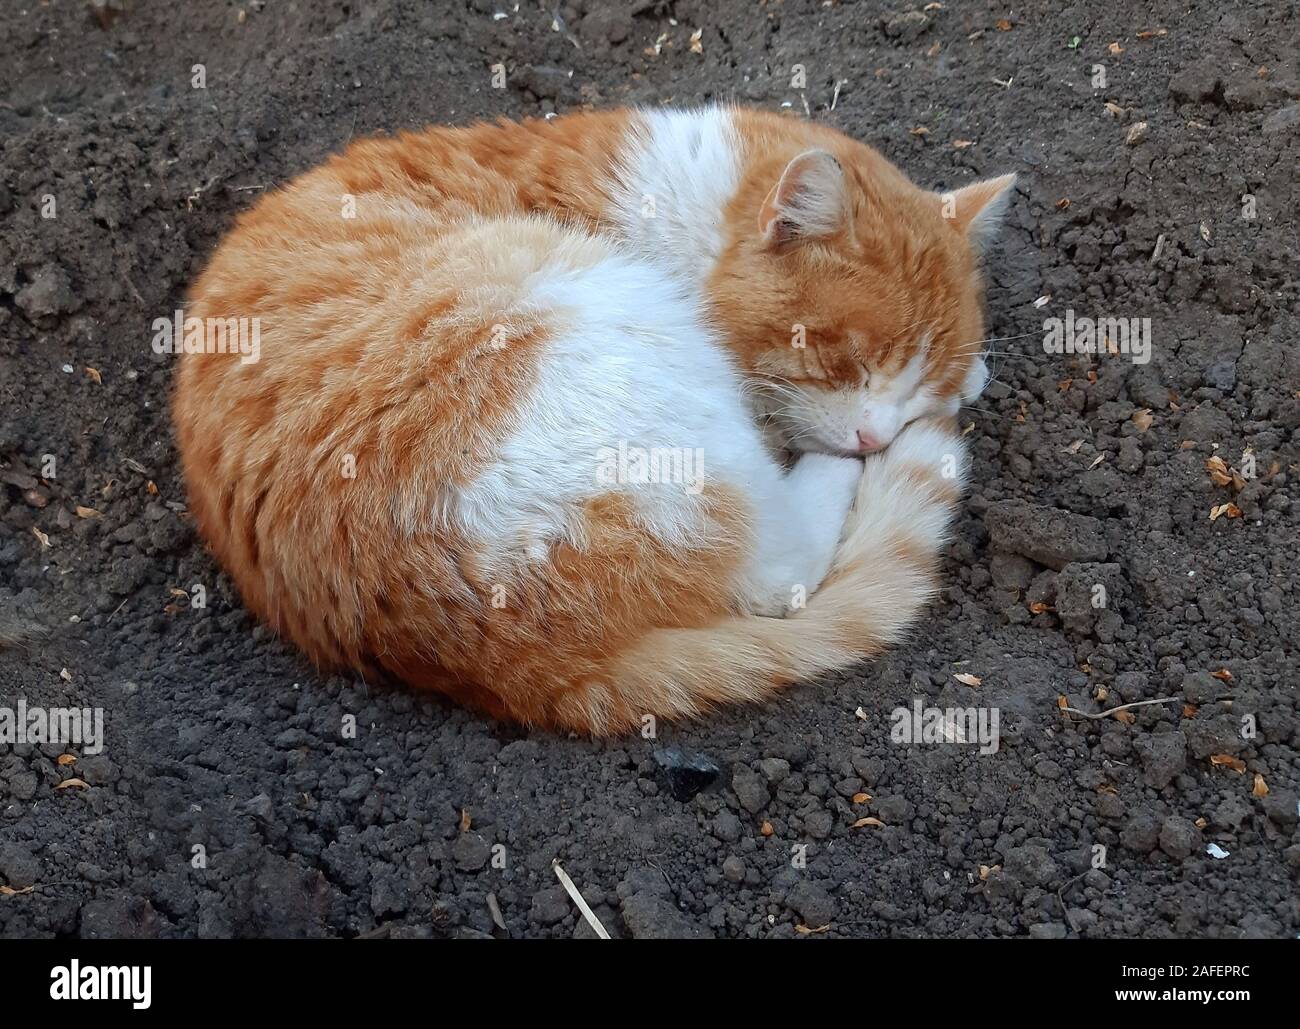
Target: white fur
675	178
630	362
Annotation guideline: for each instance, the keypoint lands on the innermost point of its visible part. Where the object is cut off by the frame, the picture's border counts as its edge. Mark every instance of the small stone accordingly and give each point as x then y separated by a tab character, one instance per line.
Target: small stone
1048	931
1141	834
1179	838
905	26
812	903
550	906
1030	864
1048	769
726	826
774	769
1280	806
18	866
687	772
734	869
1137	133
470	852
751	789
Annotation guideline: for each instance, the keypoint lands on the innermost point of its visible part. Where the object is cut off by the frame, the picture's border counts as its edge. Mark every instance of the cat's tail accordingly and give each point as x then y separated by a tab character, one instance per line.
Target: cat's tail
884	573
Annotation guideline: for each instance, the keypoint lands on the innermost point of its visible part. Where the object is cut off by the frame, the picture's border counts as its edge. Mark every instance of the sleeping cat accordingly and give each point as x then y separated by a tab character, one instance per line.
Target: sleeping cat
519	424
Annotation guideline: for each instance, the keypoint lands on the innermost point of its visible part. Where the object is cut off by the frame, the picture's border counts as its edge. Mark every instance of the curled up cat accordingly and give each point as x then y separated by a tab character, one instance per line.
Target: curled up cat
521	420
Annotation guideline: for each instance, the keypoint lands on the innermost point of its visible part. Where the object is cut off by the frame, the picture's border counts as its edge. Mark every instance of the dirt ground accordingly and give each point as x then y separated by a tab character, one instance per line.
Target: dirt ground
1157	153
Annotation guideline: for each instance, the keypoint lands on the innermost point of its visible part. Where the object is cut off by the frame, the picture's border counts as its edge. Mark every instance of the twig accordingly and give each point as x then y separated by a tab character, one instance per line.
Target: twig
1123	707
1060	891
573	893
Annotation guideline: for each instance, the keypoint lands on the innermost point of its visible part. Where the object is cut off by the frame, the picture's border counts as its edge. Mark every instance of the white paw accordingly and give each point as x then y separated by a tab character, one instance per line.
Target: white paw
828	481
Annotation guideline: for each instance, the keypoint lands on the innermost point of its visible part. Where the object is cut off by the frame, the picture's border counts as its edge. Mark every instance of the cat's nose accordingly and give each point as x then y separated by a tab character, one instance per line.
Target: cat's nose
869	444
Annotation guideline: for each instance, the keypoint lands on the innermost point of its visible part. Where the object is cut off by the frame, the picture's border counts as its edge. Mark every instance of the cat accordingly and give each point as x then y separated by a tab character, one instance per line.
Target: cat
518	425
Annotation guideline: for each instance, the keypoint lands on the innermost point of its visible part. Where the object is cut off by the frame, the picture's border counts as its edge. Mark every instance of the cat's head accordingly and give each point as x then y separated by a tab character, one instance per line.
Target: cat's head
853	298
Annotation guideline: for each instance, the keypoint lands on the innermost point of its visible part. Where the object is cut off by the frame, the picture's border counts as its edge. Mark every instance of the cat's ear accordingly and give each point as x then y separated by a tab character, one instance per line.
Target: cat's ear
810	201
977	209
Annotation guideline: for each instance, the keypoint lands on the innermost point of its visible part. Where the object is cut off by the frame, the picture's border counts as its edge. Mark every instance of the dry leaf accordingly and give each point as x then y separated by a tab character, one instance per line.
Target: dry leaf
464	820
1063	203
81	784
45	540
1200	823
766	828
861	822
1098	460
1073	448
1002	25
1108	788
987	870
1228	761
67	759
1223	675
1205	232
697	41
803	930
1151	33
1061	702
968	679
861	798
1218	470
860	715
1038	607
9	891
1127	717
1101	694
150	488
87	512
1142	419
95	376
920	130
1114	110
962	144
1260	789
65	675
1064	385
1189	710
1115	48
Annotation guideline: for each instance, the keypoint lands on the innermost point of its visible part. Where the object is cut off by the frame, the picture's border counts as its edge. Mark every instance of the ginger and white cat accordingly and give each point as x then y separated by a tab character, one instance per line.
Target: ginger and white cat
516	425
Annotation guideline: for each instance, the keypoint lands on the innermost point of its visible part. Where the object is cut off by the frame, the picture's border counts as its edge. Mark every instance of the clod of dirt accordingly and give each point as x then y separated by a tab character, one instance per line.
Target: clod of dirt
1047	535
1163	755
1195	83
